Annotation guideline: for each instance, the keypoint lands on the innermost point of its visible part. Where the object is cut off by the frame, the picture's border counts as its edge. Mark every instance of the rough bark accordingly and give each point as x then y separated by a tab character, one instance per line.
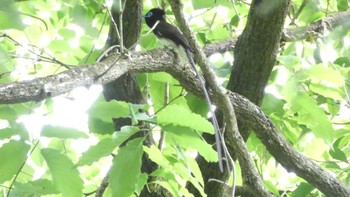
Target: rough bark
166	60
254	57
125	88
250	176
41	88
256	49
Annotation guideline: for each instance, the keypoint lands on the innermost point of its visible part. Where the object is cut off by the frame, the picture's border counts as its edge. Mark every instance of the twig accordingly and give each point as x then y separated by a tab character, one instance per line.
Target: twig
40	57
114	23
172	100
109	68
230	161
166	102
296	15
112	47
20	169
100	190
40	19
105	53
99	33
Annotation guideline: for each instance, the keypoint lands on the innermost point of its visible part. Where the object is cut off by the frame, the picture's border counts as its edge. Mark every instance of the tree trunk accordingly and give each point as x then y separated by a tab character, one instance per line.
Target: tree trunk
254	57
126	88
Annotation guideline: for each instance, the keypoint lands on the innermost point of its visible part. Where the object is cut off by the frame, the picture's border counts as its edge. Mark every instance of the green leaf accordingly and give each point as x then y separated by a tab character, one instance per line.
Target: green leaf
332	165
35	188
196	171
336	151
178	115
106	146
59	45
308	111
7	5
326	91
197	105
106	111
126	169
310	114
344	141
148	42
290	61
67	33
311	13
235	20
65	177
7	112
304	189
182	170
157	82
185	137
321	74
146	118
79	16
168	170
205	4
338	154
170	186
12	156
62	132
9	132
273	105
271	187
156	156
9	16
142	181
218	33
342	61
166	173
99	126
342	5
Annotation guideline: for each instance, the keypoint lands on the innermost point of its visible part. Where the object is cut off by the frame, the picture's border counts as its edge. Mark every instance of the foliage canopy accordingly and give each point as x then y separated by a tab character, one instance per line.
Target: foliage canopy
62	146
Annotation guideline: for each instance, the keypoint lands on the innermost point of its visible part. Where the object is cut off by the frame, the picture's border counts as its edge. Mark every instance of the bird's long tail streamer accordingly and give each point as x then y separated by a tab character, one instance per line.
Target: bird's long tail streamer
214	120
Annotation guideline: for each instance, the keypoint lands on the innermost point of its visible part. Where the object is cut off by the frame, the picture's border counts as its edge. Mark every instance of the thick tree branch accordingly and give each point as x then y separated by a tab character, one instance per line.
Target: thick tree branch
38	91
318	27
45	87
166	60
283	152
290	34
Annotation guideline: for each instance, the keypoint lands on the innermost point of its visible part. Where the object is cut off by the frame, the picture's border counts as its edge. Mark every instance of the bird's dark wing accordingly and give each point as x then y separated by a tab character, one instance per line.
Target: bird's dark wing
167	31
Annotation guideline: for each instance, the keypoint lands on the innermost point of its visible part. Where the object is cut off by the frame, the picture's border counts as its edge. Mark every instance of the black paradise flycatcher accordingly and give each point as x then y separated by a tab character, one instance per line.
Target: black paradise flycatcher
155	18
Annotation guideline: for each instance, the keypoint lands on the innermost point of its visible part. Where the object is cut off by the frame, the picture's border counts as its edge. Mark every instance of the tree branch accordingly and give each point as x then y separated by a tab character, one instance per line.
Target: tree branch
290	34
250	176
318	27
167	60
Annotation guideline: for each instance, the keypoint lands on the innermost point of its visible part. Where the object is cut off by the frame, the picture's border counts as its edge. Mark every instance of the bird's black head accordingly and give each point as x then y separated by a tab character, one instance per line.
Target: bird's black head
153	16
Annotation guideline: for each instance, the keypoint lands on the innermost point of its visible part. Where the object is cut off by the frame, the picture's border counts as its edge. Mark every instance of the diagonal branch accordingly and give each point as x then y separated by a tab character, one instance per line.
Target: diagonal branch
341	19
251	177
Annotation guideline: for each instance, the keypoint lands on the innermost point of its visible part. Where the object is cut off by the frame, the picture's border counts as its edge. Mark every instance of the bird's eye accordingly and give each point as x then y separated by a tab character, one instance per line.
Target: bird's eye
149	14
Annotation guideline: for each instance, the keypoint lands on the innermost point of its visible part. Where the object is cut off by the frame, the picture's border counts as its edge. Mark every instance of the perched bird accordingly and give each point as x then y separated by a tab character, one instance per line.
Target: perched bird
170	35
